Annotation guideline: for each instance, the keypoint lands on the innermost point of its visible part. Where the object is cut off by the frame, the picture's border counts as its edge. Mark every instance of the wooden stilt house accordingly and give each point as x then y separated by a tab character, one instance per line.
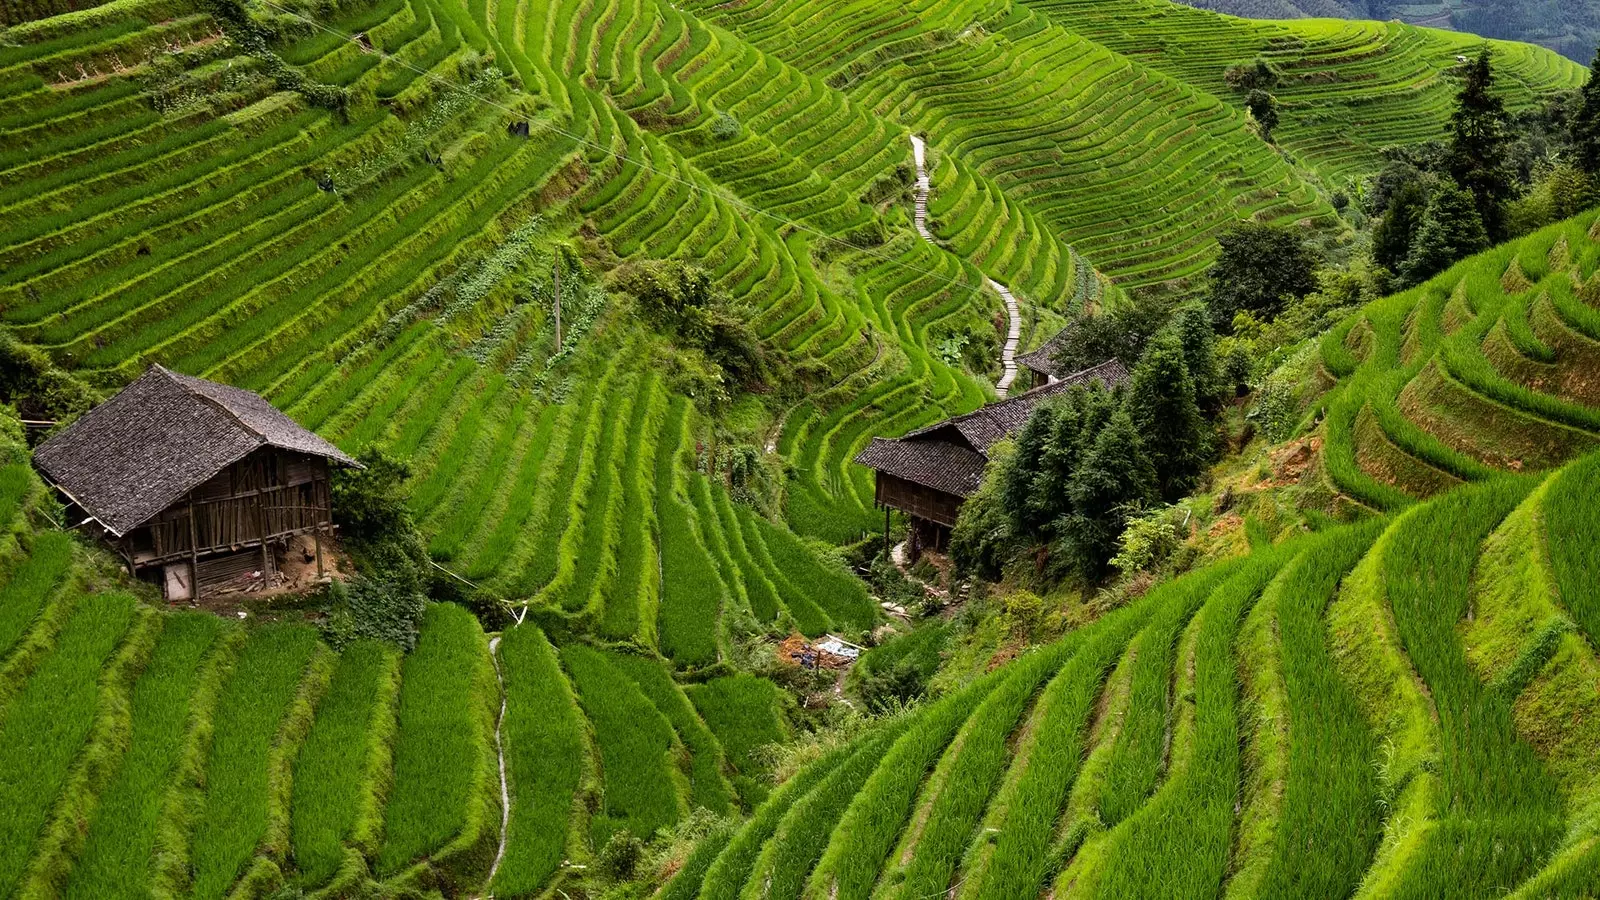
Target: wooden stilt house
930	473
196	485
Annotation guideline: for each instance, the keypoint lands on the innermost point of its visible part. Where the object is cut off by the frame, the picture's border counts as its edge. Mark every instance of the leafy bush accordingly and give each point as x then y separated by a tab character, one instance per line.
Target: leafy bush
1148	540
375	608
37	387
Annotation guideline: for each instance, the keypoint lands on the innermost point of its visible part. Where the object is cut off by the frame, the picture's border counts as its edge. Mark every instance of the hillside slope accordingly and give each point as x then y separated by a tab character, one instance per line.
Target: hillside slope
1570	27
1347	89
1377	709
1489	367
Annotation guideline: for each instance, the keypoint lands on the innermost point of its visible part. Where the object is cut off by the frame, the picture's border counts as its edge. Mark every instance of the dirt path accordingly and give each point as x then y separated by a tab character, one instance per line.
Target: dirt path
1008	351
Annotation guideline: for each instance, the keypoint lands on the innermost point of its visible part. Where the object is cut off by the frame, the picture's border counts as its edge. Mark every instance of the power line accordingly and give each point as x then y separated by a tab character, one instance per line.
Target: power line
608	151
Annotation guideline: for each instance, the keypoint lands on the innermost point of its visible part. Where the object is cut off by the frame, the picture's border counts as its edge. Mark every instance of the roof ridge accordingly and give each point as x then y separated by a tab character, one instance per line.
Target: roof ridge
182	381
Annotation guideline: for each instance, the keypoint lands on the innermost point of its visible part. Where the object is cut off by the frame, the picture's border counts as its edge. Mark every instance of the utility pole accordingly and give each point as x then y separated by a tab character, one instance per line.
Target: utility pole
558	299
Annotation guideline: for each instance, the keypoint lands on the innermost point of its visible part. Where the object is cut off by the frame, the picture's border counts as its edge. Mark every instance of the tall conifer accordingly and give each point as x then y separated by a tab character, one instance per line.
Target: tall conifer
1479	153
1162	407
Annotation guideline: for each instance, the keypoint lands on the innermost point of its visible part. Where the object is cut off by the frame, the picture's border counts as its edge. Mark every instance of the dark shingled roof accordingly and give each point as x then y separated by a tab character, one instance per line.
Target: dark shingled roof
950	456
1043	358
136	454
937	464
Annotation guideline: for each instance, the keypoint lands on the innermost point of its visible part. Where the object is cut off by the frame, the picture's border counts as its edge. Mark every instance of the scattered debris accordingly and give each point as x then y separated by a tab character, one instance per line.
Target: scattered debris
829	652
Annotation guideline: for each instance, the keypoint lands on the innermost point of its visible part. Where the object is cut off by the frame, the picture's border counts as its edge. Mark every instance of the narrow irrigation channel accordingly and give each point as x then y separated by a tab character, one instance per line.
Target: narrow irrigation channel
1008	351
499	751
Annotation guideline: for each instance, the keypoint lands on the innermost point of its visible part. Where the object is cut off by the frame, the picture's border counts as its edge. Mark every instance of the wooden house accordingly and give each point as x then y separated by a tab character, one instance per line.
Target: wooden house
1041	362
196	485
930	473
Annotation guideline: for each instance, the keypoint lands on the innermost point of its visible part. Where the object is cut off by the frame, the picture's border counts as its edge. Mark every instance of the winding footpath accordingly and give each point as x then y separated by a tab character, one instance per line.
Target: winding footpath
1008	352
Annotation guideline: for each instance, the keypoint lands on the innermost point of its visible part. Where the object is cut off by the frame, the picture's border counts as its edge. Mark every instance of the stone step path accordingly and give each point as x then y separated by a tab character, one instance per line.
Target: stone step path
919	218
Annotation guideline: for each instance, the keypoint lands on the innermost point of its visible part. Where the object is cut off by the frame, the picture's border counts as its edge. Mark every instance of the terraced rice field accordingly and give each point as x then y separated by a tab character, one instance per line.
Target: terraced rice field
361	229
202	214
1347	90
1487	368
143	751
1218	736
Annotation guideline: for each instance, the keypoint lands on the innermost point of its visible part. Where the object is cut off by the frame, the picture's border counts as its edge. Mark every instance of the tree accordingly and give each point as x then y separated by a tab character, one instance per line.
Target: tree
1585	128
1192	325
1118	333
982	538
1263	107
680	300
1257	75
1114	479
1028	513
1392	236
1259	269
1451	230
1478	157
1161	404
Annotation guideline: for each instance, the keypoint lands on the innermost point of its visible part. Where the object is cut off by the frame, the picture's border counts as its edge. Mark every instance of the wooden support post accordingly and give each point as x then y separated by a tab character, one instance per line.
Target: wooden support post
194	556
261	527
316	538
888	551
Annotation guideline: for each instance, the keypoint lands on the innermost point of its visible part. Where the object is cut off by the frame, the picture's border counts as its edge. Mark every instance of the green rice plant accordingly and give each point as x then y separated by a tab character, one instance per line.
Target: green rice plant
94	766
1180	840
800	836
840	595
708	788
494	541
866	833
708	528
331	767
114	860
1574	526
686	882
31	584
920	650
743	711
266	872
1328	826
960	788
1136	760
752	842
586	555
1503	814
804	611
759	591
692	596
45	726
233	816
1014	856
632	598
447	708
642	791
546	758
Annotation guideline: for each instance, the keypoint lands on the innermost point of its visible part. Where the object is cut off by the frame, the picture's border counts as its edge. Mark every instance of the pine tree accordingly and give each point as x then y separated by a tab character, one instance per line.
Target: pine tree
1058	461
1450	231
1018	496
1161	404
1393	235
1586	122
1479	154
1192	324
1113	479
